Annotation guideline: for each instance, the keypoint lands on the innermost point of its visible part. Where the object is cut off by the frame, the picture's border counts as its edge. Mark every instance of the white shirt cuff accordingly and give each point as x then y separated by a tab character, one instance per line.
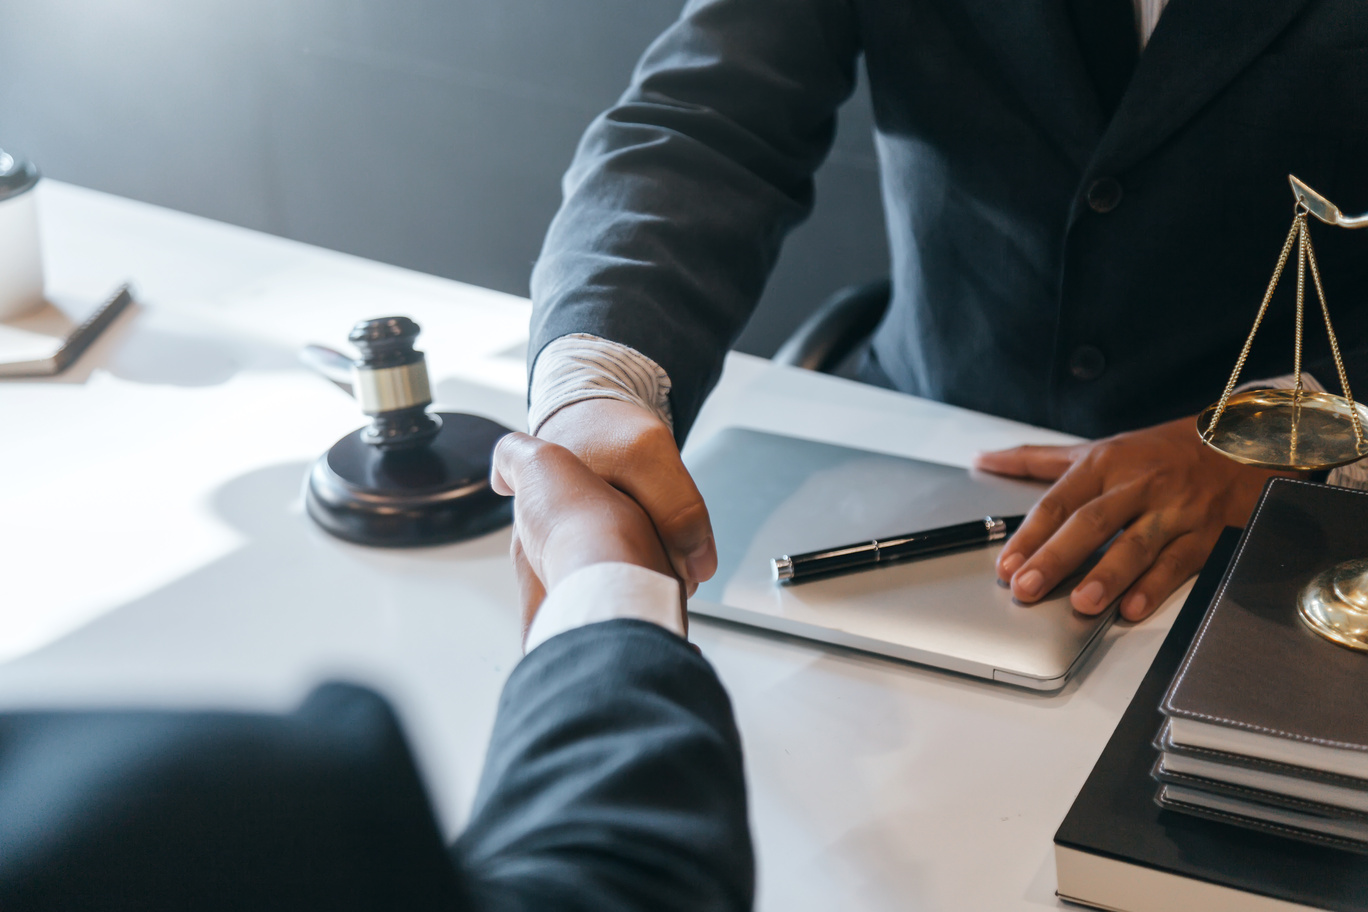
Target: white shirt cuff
580	366
607	592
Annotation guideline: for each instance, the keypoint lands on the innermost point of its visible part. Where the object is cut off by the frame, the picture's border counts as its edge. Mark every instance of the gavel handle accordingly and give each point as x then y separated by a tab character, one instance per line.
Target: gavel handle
329	364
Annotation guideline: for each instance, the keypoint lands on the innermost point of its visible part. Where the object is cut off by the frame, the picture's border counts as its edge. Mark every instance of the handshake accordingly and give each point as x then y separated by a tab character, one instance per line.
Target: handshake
567	518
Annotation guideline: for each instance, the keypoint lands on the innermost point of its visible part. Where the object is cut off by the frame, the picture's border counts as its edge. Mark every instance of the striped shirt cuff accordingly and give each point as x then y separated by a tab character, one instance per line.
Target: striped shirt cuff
580	366
1354	475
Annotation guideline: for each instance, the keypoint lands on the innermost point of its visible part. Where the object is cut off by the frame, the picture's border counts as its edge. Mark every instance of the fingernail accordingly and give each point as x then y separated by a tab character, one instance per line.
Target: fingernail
1133	609
701	562
1089	595
1029	584
1012	563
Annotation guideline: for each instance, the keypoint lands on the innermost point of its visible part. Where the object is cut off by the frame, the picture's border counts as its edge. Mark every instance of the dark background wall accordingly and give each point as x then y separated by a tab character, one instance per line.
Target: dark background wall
427	133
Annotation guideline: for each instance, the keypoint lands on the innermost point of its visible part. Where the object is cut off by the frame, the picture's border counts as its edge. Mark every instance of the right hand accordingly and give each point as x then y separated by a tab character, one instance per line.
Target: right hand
565	517
634	451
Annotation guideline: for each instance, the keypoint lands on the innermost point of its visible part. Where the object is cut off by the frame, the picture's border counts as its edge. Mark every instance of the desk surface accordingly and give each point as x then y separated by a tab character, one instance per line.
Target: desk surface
154	550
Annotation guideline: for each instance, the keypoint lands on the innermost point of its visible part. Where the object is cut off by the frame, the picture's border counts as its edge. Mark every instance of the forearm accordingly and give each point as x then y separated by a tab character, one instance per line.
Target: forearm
613	782
679	197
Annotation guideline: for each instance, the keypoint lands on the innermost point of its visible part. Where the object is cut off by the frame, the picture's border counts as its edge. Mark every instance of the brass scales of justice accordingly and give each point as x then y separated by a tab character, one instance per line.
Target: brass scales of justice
1298	429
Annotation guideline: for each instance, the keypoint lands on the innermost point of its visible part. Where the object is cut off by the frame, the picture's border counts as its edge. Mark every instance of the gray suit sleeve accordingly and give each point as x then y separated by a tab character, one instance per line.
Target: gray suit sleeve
613	782
679	196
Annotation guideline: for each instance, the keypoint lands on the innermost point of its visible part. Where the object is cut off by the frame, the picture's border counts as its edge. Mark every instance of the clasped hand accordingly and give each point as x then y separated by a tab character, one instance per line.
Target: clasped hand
565	517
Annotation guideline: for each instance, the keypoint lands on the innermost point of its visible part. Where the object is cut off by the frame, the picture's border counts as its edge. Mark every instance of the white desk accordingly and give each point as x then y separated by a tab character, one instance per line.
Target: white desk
153	550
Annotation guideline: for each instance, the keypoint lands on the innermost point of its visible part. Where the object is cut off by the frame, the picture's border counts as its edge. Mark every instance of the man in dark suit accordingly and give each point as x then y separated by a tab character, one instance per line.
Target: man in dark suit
613	779
1084	201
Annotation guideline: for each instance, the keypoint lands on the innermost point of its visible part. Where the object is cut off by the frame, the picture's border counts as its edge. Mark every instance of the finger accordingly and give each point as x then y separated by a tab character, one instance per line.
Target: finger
666	491
1133	552
1077	487
513	453
1046	463
1085	530
1182	558
531	592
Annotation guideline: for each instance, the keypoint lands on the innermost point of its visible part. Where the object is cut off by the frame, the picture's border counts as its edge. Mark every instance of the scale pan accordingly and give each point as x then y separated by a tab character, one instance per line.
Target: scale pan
1275	429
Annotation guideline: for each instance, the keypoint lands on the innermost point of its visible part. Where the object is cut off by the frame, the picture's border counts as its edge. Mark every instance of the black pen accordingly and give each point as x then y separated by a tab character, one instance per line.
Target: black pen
898	547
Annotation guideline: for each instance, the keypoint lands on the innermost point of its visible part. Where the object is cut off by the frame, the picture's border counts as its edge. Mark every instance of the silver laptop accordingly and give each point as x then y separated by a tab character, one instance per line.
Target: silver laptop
770	495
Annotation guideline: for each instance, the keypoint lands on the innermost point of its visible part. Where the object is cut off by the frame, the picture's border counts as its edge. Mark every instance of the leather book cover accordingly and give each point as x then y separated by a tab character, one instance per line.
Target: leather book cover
1254	665
1166	776
1164	743
1115	815
1245	811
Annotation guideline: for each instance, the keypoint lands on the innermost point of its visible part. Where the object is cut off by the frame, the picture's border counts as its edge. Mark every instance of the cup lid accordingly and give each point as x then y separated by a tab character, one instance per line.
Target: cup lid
17	175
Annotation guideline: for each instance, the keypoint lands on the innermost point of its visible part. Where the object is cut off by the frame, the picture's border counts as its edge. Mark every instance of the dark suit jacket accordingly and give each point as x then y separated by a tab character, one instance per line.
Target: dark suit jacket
1012	294
613	782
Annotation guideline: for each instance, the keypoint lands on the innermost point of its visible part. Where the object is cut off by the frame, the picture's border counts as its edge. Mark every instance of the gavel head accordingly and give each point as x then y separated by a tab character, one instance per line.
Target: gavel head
391	383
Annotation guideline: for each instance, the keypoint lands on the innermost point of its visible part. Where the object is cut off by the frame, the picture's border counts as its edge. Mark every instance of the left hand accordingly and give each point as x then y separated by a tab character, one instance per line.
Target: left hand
1171	493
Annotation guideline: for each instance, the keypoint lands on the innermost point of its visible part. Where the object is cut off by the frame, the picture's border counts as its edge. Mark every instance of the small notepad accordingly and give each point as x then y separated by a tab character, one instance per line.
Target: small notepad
48	340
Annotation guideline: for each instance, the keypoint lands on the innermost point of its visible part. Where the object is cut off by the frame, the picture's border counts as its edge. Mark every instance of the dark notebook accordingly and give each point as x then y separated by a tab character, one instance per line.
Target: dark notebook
1257	681
1229	762
1296	801
1268	811
1115	829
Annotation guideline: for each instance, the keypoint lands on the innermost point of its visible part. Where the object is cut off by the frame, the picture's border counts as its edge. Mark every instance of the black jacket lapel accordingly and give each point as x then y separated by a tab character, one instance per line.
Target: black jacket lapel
1197	48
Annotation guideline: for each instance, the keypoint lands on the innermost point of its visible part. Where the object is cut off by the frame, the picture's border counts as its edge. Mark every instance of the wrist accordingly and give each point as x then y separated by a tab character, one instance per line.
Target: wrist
614	545
580	367
604	426
608	591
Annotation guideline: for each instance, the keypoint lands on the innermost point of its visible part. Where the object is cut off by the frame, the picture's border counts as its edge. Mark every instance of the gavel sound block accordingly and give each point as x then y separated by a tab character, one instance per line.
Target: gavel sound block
410	477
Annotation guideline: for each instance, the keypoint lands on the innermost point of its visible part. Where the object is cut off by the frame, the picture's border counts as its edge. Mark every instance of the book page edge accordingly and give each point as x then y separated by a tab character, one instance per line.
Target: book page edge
1121	886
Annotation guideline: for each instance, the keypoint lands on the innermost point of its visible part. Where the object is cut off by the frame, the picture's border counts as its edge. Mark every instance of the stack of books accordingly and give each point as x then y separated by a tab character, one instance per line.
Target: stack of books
1265	782
1261	801
1267	722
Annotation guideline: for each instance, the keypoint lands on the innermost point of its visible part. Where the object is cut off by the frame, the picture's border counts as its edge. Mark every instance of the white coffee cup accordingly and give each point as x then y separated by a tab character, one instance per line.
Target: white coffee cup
21	260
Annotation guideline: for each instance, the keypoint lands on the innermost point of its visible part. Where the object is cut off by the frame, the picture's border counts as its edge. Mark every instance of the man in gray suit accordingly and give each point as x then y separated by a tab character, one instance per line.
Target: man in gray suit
1084	201
613	780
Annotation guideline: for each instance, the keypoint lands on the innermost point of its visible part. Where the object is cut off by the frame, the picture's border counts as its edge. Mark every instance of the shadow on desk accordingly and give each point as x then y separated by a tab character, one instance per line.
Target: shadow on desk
287	607
167	349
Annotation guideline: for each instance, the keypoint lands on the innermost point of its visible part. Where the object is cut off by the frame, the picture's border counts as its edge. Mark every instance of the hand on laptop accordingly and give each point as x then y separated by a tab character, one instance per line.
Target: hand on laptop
566	517
1170	493
635	452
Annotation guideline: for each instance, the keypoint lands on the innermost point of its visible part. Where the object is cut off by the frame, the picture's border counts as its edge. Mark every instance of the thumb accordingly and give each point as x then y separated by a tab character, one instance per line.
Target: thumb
512	454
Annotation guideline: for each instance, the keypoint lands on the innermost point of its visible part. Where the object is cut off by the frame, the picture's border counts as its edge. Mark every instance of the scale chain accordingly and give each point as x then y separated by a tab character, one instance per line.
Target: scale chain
1292	235
1334	346
1302	241
1297	345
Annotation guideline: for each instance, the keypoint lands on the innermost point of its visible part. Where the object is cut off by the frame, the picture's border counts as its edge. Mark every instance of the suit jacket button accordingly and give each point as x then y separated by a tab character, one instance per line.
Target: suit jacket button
1104	194
1087	362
